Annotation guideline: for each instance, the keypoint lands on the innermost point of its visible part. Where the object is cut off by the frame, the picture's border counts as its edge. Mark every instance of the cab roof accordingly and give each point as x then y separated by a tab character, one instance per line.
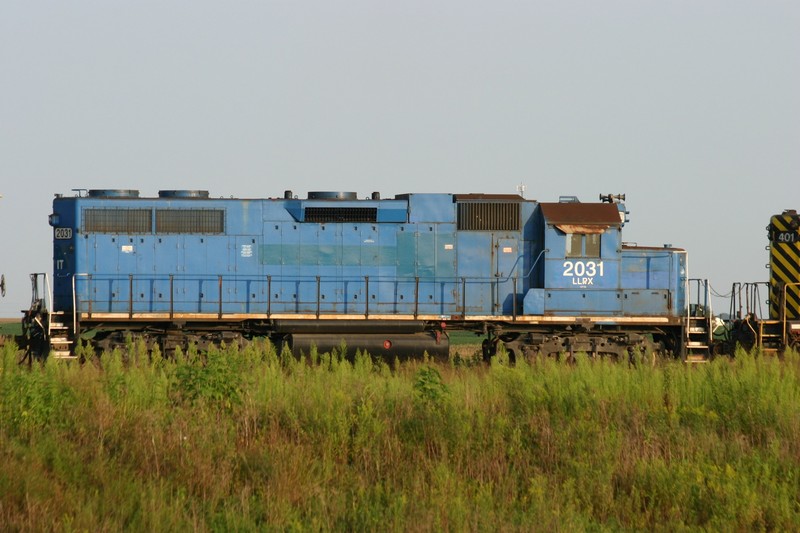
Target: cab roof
572	217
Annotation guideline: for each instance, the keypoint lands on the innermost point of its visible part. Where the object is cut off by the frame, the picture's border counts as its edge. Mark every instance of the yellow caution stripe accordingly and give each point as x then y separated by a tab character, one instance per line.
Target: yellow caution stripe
784	265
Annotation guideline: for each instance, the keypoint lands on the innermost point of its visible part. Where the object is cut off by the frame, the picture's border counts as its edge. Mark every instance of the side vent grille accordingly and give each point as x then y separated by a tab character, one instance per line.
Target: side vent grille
117	221
488	216
190	221
341	214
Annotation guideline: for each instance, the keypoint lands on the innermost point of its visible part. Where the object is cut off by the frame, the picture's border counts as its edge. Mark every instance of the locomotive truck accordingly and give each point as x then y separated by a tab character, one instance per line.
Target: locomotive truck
391	276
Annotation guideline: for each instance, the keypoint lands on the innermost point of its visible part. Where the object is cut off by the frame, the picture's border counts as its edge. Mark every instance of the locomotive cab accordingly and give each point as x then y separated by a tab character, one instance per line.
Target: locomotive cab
579	271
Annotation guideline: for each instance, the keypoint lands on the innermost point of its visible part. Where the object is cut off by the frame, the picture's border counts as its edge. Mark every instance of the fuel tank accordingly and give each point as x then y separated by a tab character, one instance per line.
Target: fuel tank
386	346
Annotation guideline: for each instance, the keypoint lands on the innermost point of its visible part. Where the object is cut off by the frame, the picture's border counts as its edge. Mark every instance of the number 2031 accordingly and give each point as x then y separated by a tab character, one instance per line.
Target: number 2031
63	233
583	268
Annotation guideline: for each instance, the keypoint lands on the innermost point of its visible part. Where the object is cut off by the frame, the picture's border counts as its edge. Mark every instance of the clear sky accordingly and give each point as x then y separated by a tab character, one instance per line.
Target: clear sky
691	108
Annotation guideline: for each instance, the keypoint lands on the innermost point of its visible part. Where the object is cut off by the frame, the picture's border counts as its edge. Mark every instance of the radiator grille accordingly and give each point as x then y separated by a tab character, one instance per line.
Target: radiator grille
341	214
117	220
190	221
488	216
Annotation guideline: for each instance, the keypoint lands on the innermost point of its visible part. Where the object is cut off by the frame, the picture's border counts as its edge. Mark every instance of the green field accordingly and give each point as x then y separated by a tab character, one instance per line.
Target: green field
10	328
250	440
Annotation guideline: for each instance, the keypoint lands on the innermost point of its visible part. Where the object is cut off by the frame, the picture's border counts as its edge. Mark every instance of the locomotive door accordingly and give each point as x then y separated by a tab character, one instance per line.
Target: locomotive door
347	283
85	262
63	267
506	255
317	267
101	290
475	272
133	286
144	283
247	286
123	280
103	285
209	265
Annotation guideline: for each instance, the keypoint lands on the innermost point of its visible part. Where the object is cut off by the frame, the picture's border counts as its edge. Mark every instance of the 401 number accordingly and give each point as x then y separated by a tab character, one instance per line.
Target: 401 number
785	236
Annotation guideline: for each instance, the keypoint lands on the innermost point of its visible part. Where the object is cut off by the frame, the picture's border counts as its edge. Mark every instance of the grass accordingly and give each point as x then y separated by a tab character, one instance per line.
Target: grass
250	440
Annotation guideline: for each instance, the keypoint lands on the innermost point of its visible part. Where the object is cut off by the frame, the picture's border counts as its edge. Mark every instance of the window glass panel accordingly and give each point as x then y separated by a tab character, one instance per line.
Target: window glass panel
574	244
593	245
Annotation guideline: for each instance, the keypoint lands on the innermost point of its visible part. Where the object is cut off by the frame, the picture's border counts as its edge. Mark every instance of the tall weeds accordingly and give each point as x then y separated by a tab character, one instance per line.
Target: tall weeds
251	439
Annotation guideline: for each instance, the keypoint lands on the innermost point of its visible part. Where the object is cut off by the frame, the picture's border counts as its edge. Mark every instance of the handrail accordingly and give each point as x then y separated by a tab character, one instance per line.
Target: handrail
74	309
688	314
308	293
701	288
366	300
528	273
285	277
784	302
319	290
220	295
269	295
47	297
747	297
48	304
83	283
416	297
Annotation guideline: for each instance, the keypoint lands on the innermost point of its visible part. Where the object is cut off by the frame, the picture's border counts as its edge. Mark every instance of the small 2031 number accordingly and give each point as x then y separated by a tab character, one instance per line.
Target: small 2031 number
583	268
63	233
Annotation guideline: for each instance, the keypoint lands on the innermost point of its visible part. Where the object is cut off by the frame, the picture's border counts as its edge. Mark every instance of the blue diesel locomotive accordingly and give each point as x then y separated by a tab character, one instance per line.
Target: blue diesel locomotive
390	276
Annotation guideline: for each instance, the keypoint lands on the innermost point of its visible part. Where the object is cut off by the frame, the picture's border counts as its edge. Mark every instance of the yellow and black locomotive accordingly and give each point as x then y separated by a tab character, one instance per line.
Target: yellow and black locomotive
778	328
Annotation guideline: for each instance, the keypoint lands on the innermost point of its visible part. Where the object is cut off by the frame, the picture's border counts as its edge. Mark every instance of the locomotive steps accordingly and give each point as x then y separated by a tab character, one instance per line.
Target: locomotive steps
699	340
60	342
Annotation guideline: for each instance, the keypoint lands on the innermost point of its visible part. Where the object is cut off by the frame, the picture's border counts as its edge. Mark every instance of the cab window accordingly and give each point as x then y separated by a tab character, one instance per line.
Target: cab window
592	245
583	245
574	245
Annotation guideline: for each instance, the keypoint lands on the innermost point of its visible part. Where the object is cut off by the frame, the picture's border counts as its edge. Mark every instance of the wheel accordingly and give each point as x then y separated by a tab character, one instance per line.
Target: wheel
718	348
794	345
512	357
488	348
